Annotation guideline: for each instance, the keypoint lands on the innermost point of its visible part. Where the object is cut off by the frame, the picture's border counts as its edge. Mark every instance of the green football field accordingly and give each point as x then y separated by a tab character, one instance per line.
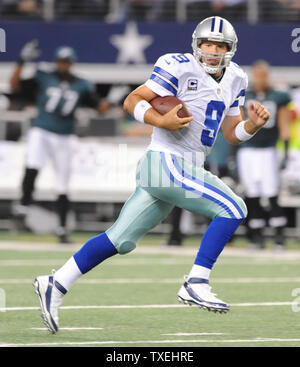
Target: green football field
131	300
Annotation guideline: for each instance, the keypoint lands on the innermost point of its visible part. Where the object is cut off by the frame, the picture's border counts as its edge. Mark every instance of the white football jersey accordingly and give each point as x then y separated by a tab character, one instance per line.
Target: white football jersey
207	100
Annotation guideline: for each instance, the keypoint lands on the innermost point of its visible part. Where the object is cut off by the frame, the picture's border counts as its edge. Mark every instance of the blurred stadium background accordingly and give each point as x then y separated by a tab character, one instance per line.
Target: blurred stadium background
117	42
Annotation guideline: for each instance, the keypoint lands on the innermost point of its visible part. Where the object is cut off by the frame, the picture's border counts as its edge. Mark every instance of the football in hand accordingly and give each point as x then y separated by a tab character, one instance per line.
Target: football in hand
165	104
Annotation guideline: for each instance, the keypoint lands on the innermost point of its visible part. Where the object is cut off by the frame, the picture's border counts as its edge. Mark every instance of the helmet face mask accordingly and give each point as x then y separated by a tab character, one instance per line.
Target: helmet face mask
214	29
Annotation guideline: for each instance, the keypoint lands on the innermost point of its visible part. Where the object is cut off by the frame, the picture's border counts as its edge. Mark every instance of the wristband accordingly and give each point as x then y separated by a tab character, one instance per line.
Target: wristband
241	133
140	109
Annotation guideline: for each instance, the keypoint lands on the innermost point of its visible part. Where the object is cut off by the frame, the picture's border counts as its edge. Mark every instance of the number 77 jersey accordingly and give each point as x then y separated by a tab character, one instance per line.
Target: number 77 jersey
207	100
58	99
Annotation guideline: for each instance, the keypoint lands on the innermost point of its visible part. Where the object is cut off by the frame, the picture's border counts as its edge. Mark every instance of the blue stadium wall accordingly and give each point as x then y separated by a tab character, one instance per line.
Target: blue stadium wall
92	41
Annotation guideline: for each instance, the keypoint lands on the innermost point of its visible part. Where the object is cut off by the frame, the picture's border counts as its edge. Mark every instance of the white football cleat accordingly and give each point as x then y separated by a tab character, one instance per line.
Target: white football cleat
196	291
50	294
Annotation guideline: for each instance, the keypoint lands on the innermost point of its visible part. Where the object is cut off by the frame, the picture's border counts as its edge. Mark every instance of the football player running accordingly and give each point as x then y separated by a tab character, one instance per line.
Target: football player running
171	171
60	92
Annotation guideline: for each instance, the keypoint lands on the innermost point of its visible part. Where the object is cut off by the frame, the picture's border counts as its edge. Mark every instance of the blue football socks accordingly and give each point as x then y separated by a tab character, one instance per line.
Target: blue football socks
215	239
96	250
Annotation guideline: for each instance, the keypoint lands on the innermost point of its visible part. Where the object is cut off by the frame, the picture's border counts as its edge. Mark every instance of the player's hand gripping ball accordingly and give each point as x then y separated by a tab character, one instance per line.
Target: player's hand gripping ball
165	104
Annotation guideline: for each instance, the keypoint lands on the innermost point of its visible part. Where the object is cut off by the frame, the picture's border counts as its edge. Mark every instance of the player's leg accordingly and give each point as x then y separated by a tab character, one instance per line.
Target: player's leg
256	223
175	237
28	183
277	221
36	156
271	184
195	189
250	163
207	195
61	152
63	207
139	214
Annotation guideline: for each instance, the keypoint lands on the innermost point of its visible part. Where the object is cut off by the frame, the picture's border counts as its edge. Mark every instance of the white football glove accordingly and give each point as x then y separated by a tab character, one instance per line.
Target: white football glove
30	51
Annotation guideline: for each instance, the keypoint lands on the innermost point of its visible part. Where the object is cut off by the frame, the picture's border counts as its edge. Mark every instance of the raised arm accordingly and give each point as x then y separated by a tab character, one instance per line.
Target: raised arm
28	53
237	130
15	78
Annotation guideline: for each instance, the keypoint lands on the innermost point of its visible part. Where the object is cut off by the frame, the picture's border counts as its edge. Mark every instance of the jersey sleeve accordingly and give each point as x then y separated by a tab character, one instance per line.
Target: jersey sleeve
164	78
90	97
234	109
283	99
29	87
40	75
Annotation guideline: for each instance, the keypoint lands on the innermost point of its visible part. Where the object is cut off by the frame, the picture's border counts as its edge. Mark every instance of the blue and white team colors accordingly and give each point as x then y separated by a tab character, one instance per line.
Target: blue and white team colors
207	100
168	175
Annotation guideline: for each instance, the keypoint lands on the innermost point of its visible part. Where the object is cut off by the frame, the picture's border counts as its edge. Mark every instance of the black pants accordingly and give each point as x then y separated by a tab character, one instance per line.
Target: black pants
28	184
259	217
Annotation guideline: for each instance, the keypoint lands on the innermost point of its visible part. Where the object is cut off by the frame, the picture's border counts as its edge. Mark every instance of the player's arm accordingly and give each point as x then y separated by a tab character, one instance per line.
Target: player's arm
137	104
115	97
284	125
90	98
28	53
103	106
236	130
93	101
16	78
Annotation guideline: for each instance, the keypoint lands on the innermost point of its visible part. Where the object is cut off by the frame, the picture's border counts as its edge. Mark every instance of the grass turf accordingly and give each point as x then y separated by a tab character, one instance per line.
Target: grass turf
152	279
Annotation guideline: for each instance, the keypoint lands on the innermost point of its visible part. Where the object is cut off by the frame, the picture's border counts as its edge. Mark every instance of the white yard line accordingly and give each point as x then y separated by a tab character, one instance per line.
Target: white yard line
180	341
69	328
99	328
37	246
114	262
133	261
150	262
35	263
166	281
192	334
111	307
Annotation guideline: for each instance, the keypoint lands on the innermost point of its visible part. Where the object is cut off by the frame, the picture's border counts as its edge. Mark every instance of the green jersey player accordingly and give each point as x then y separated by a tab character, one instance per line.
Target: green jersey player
58	93
258	161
